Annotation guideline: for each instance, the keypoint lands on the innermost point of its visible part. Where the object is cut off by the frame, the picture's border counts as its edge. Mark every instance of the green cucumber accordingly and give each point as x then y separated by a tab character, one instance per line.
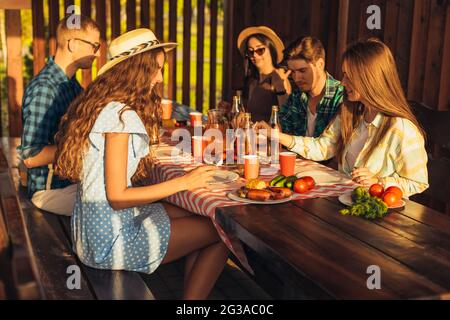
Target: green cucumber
275	180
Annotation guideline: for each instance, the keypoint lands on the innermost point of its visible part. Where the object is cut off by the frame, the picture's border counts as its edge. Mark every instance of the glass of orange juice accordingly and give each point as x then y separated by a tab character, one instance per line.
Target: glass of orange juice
251	167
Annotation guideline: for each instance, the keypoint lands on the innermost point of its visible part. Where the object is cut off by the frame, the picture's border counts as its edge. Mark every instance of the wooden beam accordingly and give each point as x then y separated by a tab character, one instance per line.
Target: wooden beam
53	19
14	70
417	55
115	18
159	22
187	13
444	91
145	13
391	24
316	16
342	29
200	54
213	53
228	46
38	36
100	17
172	57
434	46
86	74
15	4
131	14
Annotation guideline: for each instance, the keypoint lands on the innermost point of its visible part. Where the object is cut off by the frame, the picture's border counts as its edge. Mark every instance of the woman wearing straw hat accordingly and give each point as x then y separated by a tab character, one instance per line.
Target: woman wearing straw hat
265	84
102	139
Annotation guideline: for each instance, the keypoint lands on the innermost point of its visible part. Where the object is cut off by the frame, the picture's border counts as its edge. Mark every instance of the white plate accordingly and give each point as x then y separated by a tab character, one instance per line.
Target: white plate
324	177
347	200
233	196
223	176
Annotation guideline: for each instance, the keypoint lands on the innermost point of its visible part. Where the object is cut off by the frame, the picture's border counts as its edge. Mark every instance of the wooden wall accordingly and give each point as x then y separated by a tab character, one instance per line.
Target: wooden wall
417	31
108	15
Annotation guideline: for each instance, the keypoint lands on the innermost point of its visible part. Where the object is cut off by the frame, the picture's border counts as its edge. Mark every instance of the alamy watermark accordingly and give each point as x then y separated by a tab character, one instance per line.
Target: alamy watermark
374	280
374	20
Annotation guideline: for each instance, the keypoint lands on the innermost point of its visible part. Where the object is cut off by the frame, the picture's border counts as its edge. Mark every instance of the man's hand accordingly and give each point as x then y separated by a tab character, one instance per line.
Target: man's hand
43	158
283	82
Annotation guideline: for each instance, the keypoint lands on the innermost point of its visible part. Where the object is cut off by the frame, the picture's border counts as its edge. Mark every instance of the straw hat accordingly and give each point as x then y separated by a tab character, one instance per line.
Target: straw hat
269	33
132	43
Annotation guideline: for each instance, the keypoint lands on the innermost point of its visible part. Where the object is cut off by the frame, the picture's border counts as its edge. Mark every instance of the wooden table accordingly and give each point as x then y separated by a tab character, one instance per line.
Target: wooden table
305	249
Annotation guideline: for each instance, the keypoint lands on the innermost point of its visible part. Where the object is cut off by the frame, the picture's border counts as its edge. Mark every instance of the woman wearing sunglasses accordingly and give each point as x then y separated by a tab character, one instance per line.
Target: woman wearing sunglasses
374	136
265	84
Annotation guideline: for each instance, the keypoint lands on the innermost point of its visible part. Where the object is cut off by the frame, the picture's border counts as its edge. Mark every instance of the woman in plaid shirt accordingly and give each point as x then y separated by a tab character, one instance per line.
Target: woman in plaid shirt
375	136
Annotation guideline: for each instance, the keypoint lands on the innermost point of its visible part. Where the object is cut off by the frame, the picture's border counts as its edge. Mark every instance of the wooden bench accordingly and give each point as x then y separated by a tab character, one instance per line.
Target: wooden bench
37	251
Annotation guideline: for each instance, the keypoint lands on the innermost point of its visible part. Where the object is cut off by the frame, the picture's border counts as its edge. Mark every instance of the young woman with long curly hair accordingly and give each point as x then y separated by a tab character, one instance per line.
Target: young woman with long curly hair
102	139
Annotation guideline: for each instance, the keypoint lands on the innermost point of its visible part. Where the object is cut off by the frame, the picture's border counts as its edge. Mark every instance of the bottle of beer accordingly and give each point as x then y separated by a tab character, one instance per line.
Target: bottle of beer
240	102
233	116
275	126
250	142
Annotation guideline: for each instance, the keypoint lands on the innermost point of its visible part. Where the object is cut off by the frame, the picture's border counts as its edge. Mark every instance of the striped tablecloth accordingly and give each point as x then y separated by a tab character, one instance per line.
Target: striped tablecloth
205	201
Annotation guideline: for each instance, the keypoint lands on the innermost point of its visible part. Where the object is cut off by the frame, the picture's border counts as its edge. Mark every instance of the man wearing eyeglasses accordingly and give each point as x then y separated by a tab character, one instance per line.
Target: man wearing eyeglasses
317	95
45	101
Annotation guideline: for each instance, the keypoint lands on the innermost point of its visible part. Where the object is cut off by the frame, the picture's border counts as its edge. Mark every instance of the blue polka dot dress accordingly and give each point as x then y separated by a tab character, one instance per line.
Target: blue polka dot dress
133	239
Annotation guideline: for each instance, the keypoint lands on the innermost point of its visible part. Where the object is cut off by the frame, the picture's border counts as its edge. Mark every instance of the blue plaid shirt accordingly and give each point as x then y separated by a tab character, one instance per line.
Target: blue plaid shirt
293	113
45	101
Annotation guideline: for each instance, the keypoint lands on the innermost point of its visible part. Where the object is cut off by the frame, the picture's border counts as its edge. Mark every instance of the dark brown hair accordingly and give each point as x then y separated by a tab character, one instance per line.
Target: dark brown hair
309	49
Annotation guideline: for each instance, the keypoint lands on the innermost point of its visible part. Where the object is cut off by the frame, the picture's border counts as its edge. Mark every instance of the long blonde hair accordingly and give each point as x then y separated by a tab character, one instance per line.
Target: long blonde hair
372	72
129	83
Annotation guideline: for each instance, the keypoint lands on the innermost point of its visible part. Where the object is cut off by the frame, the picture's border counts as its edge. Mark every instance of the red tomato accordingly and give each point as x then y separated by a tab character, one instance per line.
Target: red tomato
309	181
395	190
391	199
301	186
376	190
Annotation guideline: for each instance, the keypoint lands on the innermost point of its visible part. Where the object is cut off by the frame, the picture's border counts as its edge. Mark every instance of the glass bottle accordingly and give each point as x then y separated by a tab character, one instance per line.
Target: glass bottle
275	128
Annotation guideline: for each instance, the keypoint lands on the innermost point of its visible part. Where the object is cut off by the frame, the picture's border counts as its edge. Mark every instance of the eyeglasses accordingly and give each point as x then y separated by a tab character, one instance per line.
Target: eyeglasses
260	51
95	46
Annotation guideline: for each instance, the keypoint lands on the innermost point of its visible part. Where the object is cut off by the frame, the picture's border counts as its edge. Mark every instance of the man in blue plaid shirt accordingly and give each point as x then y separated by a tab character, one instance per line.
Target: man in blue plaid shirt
45	101
317	96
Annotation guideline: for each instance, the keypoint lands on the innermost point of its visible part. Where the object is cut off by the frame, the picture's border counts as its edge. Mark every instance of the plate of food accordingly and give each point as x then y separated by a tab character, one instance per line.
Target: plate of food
223	176
257	192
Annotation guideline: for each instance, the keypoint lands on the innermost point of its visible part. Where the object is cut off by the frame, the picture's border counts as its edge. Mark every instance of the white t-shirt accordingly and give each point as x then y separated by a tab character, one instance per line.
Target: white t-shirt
357	144
311	123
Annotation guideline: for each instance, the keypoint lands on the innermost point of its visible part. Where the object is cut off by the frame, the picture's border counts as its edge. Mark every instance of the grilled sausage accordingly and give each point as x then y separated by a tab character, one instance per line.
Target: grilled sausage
279	193
259	195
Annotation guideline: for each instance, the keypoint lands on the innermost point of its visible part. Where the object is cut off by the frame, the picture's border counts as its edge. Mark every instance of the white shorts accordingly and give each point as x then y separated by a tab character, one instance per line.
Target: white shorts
59	201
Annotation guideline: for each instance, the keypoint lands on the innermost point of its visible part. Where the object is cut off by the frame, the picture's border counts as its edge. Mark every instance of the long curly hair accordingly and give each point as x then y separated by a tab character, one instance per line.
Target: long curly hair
128	82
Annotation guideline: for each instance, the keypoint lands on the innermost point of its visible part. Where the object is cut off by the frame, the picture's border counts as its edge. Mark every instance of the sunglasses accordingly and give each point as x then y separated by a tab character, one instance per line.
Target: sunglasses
95	46
251	53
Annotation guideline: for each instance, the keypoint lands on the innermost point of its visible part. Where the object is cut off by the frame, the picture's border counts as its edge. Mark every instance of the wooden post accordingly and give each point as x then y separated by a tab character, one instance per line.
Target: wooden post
159	22
53	12
14	71
38	36
115	19
228	46
200	54
434	50
100	12
145	13
172	58
131	14
213	54
417	53
187	12
444	91
86	74
342	34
